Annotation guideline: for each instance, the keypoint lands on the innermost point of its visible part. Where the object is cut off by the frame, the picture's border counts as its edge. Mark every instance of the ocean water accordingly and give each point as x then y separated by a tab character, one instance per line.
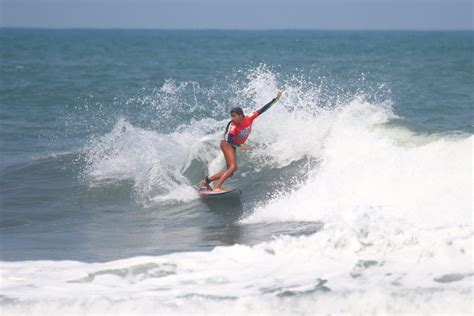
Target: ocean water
356	199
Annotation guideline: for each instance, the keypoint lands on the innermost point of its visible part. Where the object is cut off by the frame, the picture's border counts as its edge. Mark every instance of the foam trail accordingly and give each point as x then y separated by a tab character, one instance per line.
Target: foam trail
155	162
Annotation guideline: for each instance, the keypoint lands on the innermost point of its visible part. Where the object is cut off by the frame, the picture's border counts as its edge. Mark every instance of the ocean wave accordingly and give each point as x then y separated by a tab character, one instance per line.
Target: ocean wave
365	154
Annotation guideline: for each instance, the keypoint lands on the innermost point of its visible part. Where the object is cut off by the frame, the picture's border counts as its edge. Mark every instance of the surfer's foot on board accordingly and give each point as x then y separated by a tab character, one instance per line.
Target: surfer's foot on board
219	190
204	184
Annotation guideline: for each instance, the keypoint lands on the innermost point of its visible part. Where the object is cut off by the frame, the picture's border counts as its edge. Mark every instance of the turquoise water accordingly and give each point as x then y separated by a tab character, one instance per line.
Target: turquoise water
104	135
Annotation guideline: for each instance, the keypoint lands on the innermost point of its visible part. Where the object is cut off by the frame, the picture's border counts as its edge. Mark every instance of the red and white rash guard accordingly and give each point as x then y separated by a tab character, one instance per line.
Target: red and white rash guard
240	132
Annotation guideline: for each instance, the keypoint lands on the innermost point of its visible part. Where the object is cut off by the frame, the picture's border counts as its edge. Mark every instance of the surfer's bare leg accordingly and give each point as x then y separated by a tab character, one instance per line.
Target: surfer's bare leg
217	176
231	161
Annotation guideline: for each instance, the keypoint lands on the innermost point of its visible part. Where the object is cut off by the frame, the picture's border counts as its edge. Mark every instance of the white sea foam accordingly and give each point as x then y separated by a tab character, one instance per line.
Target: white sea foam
331	271
363	168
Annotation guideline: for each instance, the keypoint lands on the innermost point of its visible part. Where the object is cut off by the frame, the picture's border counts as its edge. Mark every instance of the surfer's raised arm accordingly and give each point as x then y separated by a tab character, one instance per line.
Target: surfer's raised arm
269	104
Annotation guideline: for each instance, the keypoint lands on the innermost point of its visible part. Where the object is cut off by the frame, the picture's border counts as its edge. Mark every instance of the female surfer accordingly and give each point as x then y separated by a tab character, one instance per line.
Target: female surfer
235	135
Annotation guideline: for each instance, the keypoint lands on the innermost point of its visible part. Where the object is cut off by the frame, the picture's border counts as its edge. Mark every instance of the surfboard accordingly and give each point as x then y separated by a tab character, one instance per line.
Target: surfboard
206	193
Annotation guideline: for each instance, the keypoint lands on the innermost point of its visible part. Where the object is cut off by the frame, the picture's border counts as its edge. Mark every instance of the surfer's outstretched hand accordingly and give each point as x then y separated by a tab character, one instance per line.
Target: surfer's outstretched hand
279	95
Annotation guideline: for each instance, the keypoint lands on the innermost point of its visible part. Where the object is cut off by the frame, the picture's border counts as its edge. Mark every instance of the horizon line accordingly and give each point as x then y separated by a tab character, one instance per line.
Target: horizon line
231	29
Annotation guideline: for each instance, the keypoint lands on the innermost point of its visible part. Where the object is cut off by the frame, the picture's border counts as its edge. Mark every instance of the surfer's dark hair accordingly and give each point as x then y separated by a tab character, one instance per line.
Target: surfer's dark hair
237	110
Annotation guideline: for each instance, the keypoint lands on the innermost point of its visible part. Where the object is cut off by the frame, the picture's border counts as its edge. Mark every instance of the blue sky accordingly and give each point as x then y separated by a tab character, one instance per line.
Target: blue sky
242	14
